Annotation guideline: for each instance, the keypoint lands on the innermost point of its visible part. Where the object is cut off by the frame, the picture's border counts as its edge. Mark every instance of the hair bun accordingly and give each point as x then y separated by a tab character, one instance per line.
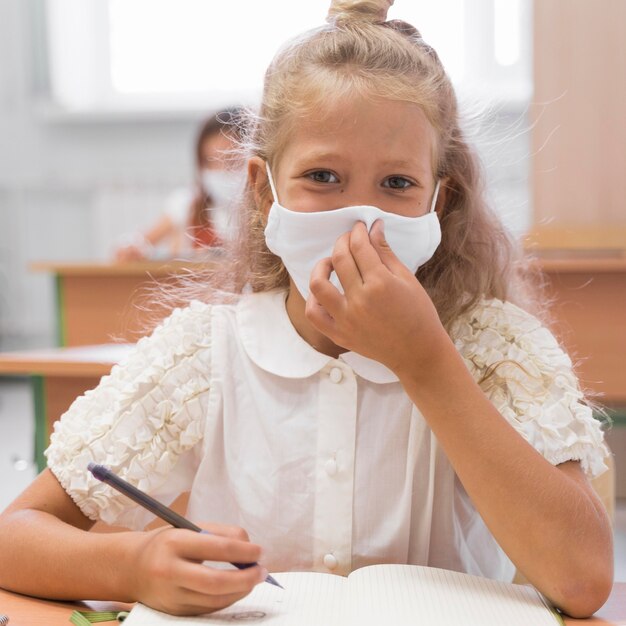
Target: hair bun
374	11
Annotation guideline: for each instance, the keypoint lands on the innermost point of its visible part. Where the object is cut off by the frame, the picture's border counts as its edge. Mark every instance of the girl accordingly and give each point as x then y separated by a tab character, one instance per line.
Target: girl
200	217
344	410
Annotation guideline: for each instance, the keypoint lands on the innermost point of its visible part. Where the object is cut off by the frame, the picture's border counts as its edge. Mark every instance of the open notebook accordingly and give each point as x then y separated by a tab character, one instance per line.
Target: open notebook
397	595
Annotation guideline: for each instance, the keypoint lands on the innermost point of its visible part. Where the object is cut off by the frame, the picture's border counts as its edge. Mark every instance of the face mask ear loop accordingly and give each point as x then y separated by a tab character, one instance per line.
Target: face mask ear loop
433	204
271	180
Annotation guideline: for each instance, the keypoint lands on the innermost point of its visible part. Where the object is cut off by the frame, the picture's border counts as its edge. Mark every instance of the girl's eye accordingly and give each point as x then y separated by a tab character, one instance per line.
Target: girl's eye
397	182
323	176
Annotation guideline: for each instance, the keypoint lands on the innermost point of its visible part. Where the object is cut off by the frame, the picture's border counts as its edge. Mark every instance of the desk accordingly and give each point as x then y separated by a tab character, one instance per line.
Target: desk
589	312
24	611
588	289
97	302
58	376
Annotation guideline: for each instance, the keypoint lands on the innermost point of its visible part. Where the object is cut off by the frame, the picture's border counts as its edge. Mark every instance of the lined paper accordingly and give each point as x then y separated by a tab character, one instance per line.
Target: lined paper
409	594
379	595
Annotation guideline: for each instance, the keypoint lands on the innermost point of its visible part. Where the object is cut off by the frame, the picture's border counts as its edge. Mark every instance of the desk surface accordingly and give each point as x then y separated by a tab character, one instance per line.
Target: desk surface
556	264
99	302
104	268
548	259
25	611
76	361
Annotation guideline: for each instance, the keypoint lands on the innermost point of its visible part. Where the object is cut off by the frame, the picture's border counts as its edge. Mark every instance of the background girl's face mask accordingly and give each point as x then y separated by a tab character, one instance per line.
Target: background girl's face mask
301	240
223	187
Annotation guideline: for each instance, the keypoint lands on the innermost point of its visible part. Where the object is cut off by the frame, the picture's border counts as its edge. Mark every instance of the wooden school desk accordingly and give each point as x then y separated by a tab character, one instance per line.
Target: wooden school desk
587	286
58	376
98	302
25	611
589	311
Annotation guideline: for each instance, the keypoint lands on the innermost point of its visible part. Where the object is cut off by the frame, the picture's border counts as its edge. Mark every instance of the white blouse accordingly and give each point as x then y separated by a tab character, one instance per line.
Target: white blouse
325	462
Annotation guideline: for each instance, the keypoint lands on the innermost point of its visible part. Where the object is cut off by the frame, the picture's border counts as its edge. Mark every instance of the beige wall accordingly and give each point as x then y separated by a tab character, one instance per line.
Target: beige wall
579	112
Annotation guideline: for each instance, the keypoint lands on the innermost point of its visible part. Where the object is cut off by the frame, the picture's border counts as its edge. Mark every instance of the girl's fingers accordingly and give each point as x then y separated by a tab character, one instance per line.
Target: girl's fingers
209	580
365	256
204	547
324	292
319	317
325	301
385	253
344	264
226	530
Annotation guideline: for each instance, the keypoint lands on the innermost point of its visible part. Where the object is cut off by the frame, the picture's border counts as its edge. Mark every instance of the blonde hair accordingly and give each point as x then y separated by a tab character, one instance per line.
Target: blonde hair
357	51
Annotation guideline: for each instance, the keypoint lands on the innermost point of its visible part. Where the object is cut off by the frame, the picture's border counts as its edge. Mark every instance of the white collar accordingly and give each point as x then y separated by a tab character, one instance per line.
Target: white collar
273	344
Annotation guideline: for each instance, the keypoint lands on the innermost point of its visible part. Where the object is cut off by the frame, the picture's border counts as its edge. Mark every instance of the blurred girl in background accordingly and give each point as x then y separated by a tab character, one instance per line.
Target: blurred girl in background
199	217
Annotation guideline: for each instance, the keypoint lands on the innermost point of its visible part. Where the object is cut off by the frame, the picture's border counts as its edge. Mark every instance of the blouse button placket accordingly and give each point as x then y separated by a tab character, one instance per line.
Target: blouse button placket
336	439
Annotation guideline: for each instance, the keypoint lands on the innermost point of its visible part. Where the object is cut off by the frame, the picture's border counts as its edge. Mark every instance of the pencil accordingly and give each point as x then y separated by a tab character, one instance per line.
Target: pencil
154	506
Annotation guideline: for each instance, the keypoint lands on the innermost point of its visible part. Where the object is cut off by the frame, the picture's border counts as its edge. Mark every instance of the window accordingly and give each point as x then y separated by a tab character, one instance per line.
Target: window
123	54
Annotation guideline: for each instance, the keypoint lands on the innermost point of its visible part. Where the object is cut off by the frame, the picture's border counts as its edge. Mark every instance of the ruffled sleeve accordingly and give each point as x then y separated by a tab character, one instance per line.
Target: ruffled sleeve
530	380
144	421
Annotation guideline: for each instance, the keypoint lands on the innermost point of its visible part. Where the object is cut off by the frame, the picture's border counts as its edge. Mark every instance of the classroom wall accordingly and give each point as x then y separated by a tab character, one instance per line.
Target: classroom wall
68	185
579	132
58	175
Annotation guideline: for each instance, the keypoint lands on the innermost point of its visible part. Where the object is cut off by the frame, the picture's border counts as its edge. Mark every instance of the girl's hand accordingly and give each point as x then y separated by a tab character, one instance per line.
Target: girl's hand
128	254
385	313
169	576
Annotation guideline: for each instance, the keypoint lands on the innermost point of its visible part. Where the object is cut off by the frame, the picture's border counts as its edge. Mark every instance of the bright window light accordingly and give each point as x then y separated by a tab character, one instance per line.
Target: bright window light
195	46
506	23
160	54
442	25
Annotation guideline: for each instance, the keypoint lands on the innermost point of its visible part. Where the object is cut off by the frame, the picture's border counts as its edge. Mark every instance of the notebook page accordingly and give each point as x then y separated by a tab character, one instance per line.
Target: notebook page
408	595
309	599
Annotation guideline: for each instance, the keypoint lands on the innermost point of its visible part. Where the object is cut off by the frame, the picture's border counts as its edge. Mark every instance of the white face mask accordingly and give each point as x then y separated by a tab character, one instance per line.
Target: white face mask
301	240
223	186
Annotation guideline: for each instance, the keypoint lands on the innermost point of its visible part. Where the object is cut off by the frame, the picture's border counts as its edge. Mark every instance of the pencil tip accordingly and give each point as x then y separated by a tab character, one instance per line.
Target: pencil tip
270	579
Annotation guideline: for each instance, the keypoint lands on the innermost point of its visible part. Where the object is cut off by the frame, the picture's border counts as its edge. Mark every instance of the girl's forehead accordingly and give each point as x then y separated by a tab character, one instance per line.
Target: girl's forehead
354	110
389	128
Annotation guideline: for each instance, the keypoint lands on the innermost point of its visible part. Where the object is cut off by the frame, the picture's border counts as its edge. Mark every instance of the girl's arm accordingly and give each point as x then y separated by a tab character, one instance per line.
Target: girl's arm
47	551
546	518
162	228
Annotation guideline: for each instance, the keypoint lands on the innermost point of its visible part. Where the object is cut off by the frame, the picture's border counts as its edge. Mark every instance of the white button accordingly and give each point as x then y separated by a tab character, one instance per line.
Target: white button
336	375
331	467
330	561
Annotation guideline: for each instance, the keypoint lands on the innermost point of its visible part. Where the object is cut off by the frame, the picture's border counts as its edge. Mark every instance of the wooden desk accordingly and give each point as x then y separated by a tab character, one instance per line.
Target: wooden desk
589	310
97	302
58	376
25	611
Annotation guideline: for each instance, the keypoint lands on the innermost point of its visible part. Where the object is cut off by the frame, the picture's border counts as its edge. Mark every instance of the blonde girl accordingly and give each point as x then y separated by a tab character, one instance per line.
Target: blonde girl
371	389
